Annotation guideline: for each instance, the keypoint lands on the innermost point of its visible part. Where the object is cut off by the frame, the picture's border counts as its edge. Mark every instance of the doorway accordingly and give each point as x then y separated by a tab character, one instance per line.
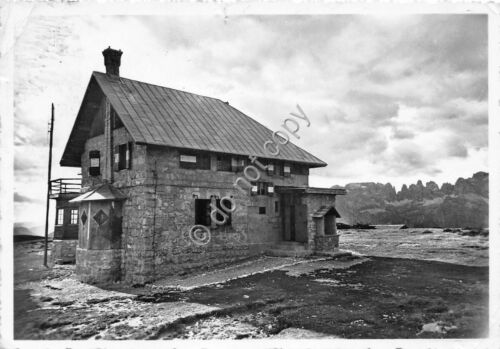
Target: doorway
294	218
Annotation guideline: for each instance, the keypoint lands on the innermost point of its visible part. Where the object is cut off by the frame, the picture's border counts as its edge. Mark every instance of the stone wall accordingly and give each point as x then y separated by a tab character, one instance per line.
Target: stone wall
126	177
160	212
98	266
314	202
64	251
326	243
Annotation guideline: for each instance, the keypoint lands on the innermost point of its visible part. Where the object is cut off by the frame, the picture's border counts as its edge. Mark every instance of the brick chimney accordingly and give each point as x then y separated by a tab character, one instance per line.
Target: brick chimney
112	61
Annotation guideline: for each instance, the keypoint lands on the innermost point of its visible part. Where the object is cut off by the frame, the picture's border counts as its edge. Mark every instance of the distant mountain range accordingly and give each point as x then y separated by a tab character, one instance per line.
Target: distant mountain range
27	231
464	204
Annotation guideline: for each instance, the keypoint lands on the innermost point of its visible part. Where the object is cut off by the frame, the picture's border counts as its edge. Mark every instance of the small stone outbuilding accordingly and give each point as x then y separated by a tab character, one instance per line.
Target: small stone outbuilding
174	181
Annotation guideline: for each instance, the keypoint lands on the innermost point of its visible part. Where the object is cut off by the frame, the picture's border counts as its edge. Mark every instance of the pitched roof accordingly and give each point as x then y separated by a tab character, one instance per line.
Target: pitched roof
324	210
167	117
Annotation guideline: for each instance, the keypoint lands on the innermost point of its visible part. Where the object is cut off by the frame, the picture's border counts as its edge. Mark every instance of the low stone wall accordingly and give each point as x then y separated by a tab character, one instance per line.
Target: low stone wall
98	266
326	243
64	251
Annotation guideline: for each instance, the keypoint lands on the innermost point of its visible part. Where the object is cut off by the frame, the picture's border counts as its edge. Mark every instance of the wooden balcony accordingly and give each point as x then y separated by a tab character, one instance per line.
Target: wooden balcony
65	187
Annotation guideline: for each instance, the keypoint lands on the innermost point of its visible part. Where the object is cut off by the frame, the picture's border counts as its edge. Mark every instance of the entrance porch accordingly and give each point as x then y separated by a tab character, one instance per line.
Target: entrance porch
308	221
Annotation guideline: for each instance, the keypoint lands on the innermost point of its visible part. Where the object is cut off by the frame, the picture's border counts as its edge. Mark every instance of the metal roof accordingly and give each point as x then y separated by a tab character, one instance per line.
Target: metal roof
310	190
167	117
103	192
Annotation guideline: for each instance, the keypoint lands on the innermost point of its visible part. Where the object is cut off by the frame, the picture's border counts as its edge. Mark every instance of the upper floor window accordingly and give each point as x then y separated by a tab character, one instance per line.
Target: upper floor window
194	161
237	164
95	163
262	188
270	169
278	169
286	170
223	163
123	156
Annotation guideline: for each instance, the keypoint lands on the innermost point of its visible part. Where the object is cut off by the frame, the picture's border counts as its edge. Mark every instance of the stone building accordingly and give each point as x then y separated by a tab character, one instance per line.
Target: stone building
168	184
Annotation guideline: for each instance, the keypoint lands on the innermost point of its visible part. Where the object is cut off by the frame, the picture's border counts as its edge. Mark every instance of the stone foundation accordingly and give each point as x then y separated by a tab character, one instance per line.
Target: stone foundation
64	251
98	266
326	243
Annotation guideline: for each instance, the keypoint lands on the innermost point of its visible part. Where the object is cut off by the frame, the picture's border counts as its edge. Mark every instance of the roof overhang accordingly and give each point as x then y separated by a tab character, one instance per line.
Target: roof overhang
81	128
310	190
102	193
326	210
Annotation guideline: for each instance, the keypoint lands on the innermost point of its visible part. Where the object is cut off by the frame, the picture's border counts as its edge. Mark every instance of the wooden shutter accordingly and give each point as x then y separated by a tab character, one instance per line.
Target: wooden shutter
129	155
116	157
95	163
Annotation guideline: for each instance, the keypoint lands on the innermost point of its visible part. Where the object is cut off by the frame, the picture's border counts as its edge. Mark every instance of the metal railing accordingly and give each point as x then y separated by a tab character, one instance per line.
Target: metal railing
65	186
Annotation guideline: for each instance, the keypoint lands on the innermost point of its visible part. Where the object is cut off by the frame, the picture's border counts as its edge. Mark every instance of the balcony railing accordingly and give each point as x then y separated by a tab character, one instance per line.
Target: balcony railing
65	186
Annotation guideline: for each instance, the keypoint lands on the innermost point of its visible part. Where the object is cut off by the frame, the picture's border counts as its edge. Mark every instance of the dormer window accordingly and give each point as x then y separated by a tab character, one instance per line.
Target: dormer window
95	163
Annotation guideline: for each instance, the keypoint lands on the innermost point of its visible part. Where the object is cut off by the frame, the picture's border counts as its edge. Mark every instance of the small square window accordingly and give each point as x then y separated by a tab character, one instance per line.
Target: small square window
270	169
262	210
224	163
237	164
286	171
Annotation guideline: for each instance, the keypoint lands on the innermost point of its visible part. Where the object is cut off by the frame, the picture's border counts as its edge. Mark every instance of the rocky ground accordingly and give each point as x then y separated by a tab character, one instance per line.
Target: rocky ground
271	297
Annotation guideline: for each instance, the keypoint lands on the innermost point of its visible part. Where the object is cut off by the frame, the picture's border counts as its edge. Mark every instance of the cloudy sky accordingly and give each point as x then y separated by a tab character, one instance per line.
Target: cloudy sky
390	98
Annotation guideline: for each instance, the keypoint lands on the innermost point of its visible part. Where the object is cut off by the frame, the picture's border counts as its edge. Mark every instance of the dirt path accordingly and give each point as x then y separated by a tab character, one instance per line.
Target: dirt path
349	298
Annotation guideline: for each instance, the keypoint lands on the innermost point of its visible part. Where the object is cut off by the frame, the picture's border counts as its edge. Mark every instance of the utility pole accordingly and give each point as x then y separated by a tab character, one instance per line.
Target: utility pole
51	133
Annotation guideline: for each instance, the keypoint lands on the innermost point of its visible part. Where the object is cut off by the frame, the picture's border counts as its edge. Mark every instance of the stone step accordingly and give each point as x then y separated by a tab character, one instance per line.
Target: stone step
287	253
290	245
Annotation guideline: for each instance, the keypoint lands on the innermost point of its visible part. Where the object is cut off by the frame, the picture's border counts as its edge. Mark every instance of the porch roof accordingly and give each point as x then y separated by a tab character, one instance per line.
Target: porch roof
103	192
310	190
324	210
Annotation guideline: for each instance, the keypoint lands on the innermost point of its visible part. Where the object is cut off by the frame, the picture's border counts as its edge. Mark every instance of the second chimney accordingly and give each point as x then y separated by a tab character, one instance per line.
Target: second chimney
112	60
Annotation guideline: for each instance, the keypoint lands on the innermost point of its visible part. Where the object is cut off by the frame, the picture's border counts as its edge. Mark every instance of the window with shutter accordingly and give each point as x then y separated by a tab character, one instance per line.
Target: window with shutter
270	169
202	212
95	163
116	158
129	155
286	170
237	164
228	205
223	163
122	158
